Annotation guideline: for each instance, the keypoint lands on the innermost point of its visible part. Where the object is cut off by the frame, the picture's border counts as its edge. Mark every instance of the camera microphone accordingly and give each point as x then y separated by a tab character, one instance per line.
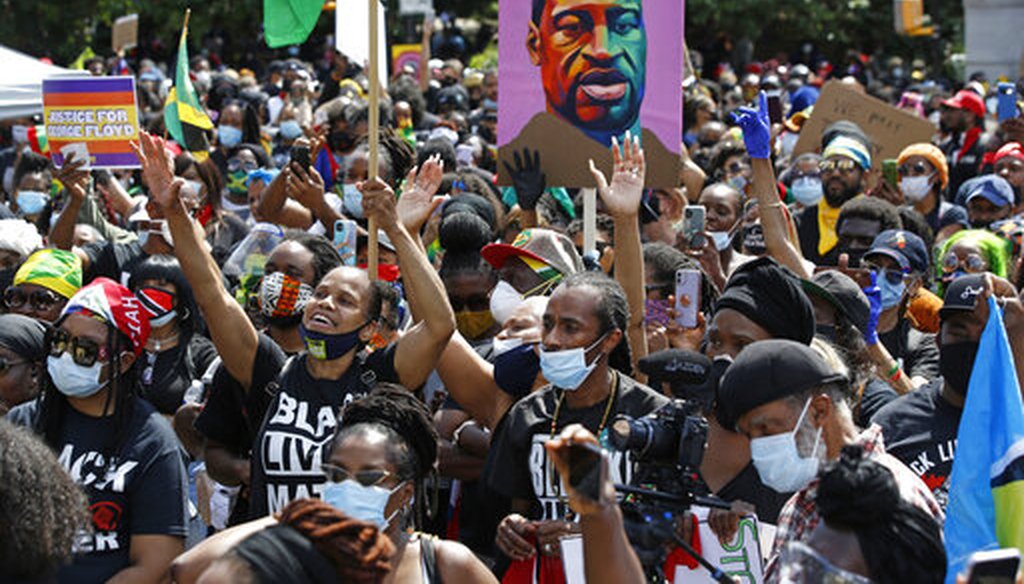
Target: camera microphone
674	366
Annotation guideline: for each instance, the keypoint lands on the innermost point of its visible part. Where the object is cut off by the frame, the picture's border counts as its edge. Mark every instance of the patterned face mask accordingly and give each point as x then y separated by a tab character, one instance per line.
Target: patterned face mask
282	296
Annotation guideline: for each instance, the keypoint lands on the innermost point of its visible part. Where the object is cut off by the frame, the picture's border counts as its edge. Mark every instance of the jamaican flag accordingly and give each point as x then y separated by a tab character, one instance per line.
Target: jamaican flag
184	117
986	493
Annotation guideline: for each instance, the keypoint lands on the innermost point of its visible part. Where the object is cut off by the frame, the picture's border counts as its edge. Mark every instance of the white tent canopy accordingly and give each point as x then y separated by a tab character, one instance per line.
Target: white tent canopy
21	83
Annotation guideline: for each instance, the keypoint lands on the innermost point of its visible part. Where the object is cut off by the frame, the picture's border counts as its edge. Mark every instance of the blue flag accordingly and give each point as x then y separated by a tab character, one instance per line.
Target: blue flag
986	494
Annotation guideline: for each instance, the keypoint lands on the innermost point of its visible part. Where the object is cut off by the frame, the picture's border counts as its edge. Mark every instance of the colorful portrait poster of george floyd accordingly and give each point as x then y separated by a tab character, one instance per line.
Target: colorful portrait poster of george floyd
577	73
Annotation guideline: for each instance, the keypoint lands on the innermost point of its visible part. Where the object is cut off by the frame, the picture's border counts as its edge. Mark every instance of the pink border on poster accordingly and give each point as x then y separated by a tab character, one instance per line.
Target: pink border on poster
522	97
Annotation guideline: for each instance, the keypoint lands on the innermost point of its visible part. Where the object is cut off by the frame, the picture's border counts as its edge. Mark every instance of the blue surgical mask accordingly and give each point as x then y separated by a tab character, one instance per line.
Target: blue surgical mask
568	368
361	502
72	379
229	135
891	293
807	190
32	202
290	129
722	239
516	369
352	199
738	182
778	461
489	104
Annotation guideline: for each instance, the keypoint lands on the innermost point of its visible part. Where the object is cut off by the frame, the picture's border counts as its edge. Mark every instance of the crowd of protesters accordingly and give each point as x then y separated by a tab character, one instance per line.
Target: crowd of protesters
210	392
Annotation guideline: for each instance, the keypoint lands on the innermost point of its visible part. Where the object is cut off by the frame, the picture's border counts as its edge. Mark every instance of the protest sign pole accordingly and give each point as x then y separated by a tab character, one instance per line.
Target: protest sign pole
372	75
589	220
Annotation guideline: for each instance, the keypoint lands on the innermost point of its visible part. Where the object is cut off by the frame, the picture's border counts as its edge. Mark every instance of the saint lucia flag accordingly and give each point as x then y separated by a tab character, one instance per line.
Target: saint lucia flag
183	115
986	495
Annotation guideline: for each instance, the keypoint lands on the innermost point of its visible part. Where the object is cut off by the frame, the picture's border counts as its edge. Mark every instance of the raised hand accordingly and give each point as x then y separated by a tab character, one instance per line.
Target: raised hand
379	203
157	168
874	294
71	172
305	185
756	128
622	197
527	179
418	202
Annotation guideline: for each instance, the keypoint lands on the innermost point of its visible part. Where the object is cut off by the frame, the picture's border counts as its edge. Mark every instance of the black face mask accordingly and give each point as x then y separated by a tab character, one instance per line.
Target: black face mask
340	141
956	361
516	370
825	331
753	240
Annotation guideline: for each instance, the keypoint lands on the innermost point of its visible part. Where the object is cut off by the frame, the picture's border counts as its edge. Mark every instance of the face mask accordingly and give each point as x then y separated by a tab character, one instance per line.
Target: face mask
283	297
236	182
516	369
956	362
504	301
340	141
807	190
72	379
353	201
489	104
778	460
753	240
32	202
891	293
229	135
916	188
568	368
722	239
473	324
195	186
502	346
738	182
290	130
360	502
159	304
325	347
164	231
825	331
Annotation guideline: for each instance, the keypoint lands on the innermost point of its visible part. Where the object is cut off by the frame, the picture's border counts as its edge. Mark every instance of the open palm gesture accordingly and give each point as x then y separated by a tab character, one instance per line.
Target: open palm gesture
157	167
418	201
623	195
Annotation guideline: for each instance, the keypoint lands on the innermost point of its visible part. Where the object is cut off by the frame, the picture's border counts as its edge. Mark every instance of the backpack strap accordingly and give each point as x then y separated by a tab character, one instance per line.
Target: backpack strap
428	555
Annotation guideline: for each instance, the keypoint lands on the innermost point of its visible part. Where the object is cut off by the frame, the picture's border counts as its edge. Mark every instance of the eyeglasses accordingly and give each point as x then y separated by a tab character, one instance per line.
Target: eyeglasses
845	165
737	167
894	277
7	364
918	169
367	478
796	175
84	352
15	297
973	263
236	164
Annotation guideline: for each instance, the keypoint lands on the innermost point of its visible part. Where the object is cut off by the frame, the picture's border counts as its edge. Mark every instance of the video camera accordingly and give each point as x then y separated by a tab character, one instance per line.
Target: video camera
668	447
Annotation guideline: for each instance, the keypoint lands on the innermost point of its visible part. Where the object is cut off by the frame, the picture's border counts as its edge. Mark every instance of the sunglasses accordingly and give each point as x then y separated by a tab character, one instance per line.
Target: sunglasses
84	352
736	167
6	364
15	297
236	164
474	303
918	169
972	264
366	478
844	165
893	276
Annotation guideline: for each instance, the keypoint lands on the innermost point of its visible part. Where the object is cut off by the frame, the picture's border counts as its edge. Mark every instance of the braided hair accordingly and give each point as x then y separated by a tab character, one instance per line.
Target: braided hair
899	541
358	550
395	412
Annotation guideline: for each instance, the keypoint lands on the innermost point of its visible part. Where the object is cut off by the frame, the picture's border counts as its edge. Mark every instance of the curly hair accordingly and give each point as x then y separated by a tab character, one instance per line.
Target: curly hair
41	510
358	550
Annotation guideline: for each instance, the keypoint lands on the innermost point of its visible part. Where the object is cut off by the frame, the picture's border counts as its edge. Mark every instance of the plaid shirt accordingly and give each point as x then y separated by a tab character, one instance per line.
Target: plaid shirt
799	516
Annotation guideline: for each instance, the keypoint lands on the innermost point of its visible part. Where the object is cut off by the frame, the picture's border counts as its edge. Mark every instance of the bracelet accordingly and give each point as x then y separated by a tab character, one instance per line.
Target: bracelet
893	370
896	376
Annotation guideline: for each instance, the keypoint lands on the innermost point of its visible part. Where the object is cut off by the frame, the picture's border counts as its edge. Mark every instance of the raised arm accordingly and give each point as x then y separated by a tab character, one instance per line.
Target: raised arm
469	379
420	348
232	333
418	201
622	200
276	207
529	182
774	215
75	180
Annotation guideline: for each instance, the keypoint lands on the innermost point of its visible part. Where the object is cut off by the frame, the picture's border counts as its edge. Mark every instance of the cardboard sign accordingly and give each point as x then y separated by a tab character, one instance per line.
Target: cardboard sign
402	55
890	129
557	99
572	559
125	34
99	112
740	558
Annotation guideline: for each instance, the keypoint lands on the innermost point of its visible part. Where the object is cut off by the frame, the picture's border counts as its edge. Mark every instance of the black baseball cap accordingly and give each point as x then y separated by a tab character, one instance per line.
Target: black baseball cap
905	248
962	295
767	371
842	292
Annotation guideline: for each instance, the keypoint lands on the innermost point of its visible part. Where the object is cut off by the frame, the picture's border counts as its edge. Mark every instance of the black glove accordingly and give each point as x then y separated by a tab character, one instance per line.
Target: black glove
527	179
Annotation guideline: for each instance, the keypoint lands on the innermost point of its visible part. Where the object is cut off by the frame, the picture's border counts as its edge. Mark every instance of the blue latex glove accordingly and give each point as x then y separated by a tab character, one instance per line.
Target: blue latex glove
757	130
874	294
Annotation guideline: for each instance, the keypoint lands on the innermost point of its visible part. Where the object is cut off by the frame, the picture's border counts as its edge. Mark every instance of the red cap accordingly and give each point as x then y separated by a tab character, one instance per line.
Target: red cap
968	100
1011	149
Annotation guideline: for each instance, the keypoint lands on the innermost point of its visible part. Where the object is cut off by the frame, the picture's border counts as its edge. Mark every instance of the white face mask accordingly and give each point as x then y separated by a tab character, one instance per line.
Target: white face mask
504	301
778	461
501	346
916	188
722	239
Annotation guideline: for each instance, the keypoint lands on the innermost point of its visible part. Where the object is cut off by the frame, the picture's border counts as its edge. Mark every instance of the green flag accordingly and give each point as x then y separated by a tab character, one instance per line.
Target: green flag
289	22
183	115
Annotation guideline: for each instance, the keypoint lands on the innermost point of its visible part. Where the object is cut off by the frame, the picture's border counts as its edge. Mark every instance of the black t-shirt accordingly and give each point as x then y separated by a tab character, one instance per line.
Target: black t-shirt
916	351
299	425
144	493
112	260
522	469
747	486
877	394
920	429
165	377
806	221
232	415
